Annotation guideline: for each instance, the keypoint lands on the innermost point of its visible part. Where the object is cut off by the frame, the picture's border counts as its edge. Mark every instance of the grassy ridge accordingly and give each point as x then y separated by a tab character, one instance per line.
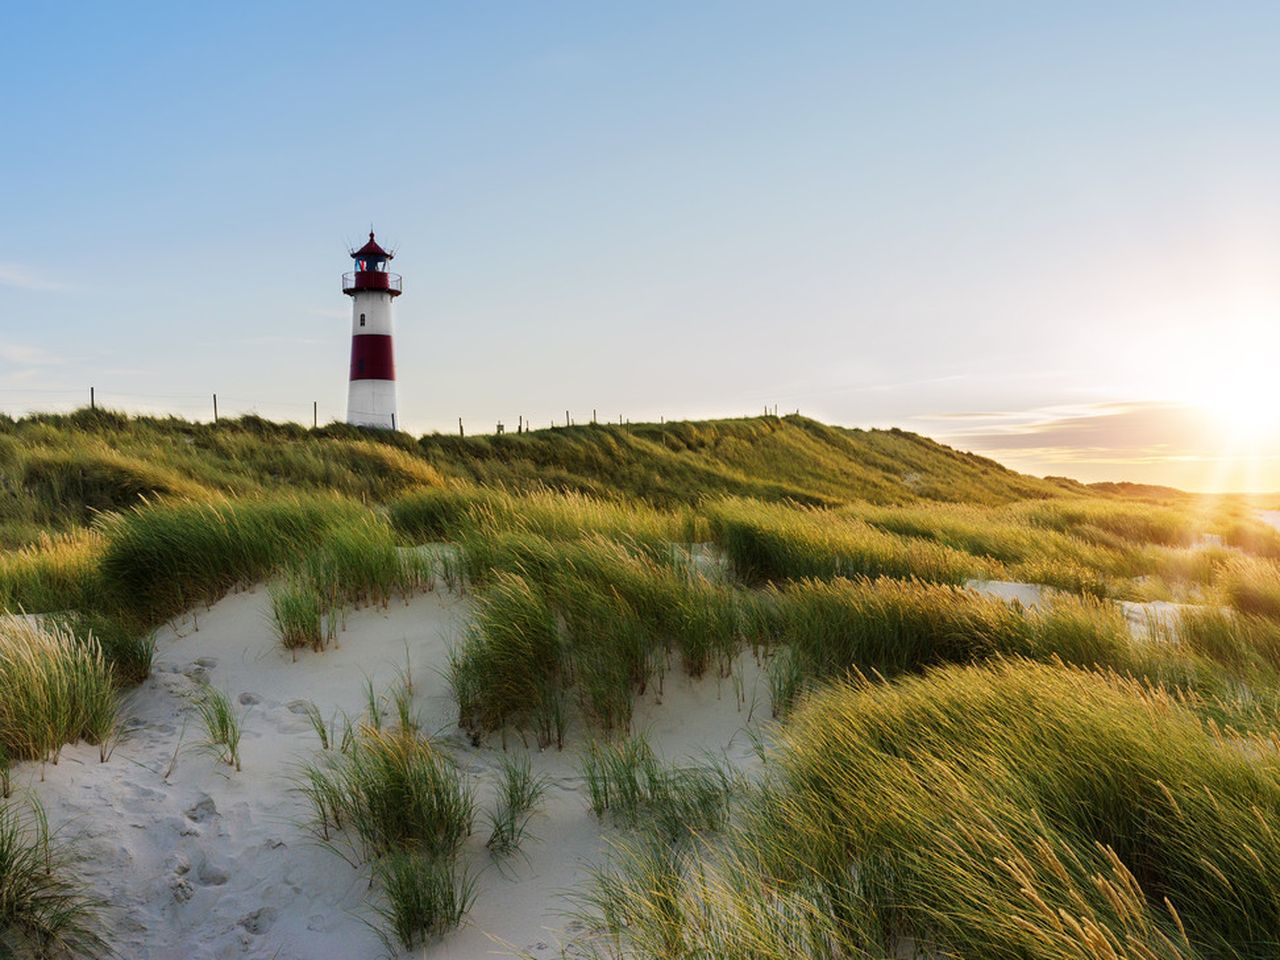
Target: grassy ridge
55	470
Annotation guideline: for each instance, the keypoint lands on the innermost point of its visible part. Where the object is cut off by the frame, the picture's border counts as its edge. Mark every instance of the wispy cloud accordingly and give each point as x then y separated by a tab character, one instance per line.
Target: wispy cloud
1100	432
26	278
23	355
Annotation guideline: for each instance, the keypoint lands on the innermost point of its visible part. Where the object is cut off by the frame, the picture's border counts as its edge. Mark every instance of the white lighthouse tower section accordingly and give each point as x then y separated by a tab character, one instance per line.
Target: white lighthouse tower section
371	397
372	402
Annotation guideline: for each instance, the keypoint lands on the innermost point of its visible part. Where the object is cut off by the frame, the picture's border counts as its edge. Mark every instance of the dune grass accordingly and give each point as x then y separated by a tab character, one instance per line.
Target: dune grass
164	559
222	726
771	543
56	573
1252	586
392	790
508	669
426	896
628	781
55	688
355	563
299	613
90	478
582	624
463	512
1017	810
43	912
519	793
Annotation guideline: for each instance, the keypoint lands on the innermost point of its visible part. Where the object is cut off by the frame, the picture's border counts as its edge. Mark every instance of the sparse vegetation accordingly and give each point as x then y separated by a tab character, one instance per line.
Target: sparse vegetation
426	896
221	724
43	912
393	790
519	792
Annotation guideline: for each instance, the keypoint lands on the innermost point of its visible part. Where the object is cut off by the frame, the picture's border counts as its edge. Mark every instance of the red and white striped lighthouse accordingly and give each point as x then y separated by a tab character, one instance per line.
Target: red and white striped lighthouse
371	400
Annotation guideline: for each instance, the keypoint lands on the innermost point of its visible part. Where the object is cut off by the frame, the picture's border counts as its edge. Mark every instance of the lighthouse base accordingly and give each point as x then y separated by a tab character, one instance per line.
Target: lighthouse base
372	403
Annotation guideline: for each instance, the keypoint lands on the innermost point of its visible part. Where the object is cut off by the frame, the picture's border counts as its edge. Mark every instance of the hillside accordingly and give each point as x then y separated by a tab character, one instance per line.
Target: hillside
56	471
790	457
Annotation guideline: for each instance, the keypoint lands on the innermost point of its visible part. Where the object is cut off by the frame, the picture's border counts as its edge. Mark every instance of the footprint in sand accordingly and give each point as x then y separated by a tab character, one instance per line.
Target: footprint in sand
212	875
203	809
260	921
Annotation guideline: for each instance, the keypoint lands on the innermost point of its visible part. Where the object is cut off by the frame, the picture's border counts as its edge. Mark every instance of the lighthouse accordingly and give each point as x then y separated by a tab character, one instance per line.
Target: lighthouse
371	399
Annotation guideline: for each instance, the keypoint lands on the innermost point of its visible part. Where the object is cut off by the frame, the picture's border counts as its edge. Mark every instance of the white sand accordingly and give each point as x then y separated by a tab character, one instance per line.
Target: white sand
209	863
1141	616
1027	594
1269	517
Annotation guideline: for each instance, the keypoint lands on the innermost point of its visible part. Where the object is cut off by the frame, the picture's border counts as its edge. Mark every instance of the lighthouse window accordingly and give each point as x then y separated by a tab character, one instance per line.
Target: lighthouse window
362	319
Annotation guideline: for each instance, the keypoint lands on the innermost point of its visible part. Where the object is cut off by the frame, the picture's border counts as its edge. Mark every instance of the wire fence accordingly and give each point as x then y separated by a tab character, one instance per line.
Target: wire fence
211	407
21	401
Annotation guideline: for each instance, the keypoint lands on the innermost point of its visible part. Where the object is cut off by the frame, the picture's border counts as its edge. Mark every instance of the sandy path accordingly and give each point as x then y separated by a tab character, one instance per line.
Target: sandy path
208	863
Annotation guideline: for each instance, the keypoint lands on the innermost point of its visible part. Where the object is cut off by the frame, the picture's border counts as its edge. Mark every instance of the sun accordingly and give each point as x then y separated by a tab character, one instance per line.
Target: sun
1233	378
1244	405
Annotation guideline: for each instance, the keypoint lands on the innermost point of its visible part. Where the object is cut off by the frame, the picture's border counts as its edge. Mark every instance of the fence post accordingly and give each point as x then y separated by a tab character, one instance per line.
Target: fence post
215	408
461	432
93	404
315	414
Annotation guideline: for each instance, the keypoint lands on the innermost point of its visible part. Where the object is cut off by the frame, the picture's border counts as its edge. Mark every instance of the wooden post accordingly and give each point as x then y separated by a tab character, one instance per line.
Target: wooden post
593	414
393	421
520	425
315	414
566	418
93	404
461	432
215	408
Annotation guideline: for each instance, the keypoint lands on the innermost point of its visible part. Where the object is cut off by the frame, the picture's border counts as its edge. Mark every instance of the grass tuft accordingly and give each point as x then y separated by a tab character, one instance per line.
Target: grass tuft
222	726
519	792
43	912
55	688
426	897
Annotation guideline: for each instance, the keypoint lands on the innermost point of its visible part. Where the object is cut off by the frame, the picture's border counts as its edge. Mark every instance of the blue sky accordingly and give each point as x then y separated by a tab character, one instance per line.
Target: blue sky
1046	232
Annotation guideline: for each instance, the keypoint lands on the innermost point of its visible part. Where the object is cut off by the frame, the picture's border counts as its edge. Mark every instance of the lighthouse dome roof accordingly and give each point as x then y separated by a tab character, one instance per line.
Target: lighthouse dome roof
371	249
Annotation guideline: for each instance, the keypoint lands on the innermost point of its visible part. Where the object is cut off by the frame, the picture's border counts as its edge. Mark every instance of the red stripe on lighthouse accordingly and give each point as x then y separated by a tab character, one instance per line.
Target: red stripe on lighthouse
372	358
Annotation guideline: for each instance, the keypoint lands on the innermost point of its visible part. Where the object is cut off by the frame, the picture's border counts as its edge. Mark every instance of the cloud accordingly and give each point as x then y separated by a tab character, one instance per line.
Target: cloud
22	355
1116	432
1150	441
26	278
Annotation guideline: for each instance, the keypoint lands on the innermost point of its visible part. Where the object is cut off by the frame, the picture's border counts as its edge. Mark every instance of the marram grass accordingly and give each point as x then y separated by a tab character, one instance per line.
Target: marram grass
392	790
1016	810
43	911
55	688
425	897
519	792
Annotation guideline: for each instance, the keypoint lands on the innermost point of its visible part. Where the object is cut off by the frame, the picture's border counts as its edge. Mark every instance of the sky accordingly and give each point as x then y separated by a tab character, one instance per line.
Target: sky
1049	233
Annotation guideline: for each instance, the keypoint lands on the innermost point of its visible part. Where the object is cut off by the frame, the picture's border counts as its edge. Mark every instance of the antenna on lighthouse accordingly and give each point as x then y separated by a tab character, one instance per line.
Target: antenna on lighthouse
371	397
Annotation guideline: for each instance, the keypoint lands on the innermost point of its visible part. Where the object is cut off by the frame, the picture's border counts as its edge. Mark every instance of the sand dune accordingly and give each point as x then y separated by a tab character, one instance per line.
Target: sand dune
209	863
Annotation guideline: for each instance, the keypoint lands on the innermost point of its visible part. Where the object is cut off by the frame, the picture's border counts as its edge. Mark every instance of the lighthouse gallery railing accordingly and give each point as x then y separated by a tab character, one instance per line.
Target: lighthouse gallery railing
371	280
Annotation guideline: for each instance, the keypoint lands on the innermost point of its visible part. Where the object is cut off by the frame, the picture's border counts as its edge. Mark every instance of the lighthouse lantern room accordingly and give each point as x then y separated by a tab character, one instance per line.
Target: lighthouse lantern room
371	399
